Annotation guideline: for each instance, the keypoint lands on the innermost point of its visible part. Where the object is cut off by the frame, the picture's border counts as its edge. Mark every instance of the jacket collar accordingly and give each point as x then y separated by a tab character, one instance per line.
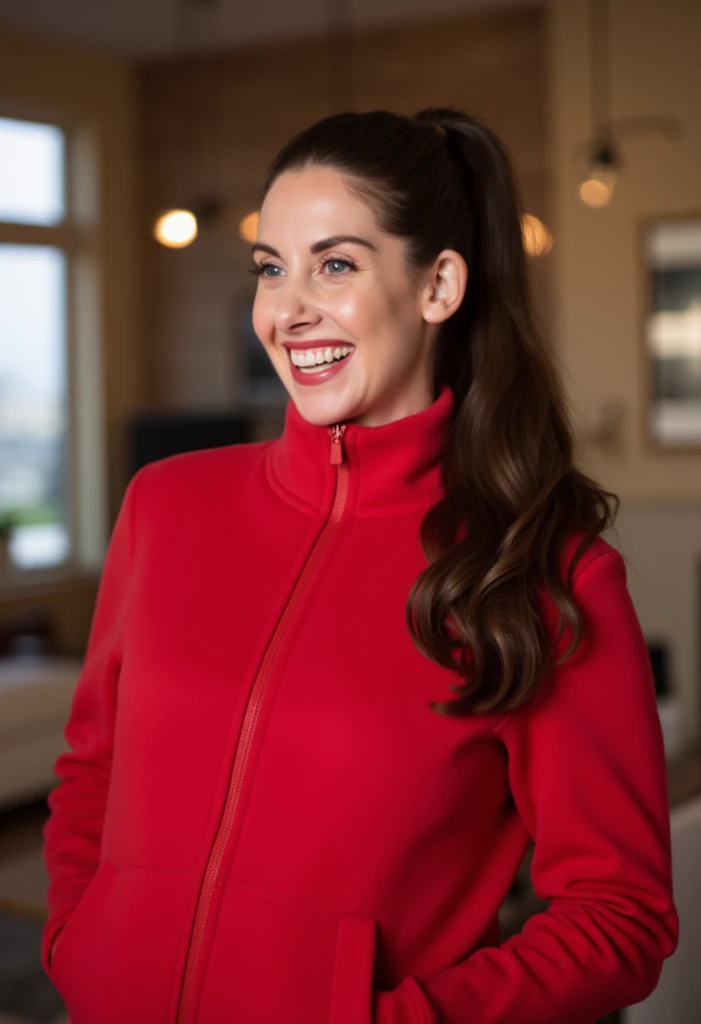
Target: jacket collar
393	467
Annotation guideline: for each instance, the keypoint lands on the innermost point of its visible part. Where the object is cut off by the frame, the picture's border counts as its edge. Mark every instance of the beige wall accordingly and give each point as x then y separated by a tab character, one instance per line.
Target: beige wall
662	545
656	69
95	93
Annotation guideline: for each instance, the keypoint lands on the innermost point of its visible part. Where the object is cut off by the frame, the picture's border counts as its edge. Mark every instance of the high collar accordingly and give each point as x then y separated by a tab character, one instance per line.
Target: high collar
393	467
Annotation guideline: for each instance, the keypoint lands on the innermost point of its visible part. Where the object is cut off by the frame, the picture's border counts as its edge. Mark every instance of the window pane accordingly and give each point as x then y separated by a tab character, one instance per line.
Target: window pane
33	403
31	172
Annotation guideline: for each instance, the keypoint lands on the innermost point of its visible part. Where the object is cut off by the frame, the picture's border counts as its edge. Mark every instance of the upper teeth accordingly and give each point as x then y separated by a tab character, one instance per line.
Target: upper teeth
320	355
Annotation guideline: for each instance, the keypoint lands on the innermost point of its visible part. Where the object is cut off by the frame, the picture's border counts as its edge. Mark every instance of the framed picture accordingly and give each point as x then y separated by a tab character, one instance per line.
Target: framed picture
671	258
261	385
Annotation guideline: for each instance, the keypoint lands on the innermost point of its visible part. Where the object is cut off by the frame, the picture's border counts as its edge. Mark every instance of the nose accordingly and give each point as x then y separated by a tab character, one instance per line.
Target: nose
295	308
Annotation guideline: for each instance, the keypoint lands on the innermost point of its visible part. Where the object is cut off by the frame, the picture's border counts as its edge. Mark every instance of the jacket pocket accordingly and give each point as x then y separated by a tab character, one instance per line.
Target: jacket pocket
94	894
275	958
117	956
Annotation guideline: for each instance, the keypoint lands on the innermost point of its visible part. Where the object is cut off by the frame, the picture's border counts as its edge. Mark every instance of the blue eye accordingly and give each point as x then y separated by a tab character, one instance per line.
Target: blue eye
260	268
335	259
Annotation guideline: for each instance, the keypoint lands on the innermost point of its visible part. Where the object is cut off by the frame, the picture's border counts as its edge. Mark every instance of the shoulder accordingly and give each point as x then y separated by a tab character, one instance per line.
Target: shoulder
190	479
599	552
599	568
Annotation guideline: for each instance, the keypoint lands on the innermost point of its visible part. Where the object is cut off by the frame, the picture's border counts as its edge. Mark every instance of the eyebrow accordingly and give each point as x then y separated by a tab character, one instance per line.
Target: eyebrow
325	243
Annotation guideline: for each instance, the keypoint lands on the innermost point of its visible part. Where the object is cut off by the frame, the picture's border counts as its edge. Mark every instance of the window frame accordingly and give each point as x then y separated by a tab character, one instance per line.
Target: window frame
77	237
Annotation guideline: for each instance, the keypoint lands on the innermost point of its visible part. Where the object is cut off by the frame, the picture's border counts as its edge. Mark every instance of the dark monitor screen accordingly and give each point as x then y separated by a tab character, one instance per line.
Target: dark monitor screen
157	435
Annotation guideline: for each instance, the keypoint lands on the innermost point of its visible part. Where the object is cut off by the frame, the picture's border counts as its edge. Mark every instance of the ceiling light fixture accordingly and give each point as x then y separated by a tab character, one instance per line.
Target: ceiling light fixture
339	64
599	158
179	227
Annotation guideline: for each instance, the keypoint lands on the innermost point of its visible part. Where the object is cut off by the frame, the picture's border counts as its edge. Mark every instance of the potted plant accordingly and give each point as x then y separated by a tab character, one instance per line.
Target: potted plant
8	522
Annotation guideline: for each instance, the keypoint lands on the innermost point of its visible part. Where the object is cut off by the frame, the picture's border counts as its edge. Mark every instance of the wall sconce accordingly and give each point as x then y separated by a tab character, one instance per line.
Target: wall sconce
537	240
605	429
248	226
178	228
175	228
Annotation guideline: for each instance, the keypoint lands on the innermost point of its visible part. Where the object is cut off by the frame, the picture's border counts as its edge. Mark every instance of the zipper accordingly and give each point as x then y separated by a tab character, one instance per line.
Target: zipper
255	700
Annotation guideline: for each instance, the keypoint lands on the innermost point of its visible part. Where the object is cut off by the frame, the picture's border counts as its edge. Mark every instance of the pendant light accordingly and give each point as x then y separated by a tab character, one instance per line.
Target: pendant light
179	227
599	158
339	50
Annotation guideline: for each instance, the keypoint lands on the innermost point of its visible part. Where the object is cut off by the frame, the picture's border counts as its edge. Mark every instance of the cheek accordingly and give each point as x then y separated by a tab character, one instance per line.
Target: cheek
366	310
262	319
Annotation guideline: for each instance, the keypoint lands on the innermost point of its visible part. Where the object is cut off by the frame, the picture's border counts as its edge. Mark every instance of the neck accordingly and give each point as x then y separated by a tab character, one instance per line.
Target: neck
390	467
395	408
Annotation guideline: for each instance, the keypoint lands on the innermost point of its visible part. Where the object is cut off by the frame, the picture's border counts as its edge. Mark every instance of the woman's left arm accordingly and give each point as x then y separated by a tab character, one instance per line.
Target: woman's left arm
587	771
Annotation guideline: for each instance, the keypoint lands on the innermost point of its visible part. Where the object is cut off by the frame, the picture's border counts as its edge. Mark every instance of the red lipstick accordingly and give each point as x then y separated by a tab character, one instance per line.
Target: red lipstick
318	343
326	370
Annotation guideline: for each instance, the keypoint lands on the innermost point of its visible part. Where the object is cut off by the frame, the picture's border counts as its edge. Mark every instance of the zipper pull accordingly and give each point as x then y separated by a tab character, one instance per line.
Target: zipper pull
337	431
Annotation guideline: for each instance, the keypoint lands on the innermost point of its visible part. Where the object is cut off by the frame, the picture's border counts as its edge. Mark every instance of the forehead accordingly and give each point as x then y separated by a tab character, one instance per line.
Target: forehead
313	198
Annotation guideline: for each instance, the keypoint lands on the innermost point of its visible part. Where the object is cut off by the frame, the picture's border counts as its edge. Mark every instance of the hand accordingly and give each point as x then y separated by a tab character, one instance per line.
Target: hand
53	947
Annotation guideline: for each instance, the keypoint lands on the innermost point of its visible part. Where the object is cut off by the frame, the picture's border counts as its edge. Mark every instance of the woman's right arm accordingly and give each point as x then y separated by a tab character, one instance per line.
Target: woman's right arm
53	946
73	831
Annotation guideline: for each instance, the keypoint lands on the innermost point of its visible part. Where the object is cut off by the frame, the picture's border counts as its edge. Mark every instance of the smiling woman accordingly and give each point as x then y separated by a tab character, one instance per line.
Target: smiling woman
359	283
290	822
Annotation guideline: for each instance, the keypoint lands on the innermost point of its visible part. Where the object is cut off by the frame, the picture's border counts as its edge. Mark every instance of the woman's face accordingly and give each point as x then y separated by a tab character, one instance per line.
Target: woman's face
345	293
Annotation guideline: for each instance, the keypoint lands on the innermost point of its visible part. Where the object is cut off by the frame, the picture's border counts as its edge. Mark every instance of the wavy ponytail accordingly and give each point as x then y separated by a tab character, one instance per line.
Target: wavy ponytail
512	494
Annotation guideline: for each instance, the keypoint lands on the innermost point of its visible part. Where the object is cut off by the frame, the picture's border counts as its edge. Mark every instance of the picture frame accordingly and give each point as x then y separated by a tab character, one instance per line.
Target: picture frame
670	248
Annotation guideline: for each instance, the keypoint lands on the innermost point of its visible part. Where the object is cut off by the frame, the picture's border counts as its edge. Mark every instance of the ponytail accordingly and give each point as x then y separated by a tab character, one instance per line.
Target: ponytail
512	494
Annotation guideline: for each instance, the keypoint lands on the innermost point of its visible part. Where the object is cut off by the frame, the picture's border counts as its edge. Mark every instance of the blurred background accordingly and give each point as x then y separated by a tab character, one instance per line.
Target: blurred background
133	141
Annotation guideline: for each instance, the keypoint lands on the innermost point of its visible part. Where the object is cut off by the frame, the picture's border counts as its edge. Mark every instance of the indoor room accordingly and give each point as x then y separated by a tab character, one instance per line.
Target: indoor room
142	670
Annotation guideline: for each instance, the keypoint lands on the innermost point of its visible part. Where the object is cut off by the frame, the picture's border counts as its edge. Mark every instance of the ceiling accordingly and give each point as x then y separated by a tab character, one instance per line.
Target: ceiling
142	28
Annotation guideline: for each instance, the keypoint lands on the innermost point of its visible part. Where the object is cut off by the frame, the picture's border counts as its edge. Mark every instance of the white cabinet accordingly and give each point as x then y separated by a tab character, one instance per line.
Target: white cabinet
677	998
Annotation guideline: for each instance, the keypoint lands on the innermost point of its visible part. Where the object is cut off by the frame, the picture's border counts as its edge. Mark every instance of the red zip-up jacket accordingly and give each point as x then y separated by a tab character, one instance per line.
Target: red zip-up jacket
260	820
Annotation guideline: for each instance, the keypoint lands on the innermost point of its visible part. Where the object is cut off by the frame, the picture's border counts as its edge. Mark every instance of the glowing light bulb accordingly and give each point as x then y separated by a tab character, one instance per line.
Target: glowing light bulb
176	228
597	190
537	240
248	227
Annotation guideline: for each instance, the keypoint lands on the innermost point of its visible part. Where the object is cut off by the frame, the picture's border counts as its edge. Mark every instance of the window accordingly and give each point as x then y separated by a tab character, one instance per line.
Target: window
38	243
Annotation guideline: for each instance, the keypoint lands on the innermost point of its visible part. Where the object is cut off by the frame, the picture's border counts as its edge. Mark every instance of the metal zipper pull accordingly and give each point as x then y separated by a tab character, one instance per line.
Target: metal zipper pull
337	431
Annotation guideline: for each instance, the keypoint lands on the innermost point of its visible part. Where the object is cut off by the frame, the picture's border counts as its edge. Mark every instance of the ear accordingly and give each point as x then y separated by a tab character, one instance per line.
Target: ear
444	286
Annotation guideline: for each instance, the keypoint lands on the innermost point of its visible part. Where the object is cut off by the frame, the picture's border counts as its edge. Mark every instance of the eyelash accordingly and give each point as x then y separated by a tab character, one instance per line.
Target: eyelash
259	268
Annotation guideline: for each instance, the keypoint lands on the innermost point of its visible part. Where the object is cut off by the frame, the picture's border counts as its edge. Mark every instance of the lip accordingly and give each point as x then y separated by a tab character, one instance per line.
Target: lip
317	343
321	376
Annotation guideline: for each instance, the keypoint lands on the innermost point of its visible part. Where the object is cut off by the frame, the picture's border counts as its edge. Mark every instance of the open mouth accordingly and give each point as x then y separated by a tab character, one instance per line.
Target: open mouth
338	355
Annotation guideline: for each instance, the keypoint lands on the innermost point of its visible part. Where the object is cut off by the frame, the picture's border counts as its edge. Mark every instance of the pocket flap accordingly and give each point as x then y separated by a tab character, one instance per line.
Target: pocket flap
273	957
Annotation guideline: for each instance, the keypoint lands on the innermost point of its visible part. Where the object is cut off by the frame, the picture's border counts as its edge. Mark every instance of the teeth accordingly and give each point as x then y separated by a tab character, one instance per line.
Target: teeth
314	357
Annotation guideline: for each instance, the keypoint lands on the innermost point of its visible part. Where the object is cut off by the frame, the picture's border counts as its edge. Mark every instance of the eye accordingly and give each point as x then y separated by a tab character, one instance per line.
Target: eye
338	260
259	269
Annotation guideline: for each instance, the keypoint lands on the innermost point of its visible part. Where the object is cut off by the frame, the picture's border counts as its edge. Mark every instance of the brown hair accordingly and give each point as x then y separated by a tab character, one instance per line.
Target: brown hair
512	493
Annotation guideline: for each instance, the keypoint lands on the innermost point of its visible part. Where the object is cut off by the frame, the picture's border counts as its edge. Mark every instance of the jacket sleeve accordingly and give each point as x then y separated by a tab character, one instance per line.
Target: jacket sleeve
72	833
588	777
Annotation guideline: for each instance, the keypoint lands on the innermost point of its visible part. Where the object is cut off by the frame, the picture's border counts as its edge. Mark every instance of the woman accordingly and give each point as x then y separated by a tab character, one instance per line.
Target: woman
271	811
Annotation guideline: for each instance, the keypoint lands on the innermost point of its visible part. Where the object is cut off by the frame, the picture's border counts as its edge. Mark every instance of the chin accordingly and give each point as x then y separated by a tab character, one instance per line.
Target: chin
321	411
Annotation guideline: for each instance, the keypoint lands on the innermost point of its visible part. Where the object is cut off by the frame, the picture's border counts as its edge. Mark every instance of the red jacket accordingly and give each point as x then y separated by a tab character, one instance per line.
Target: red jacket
260	820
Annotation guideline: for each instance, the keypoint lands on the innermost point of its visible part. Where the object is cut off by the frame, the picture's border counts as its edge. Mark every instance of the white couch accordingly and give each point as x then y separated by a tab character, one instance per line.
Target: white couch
677	998
35	700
